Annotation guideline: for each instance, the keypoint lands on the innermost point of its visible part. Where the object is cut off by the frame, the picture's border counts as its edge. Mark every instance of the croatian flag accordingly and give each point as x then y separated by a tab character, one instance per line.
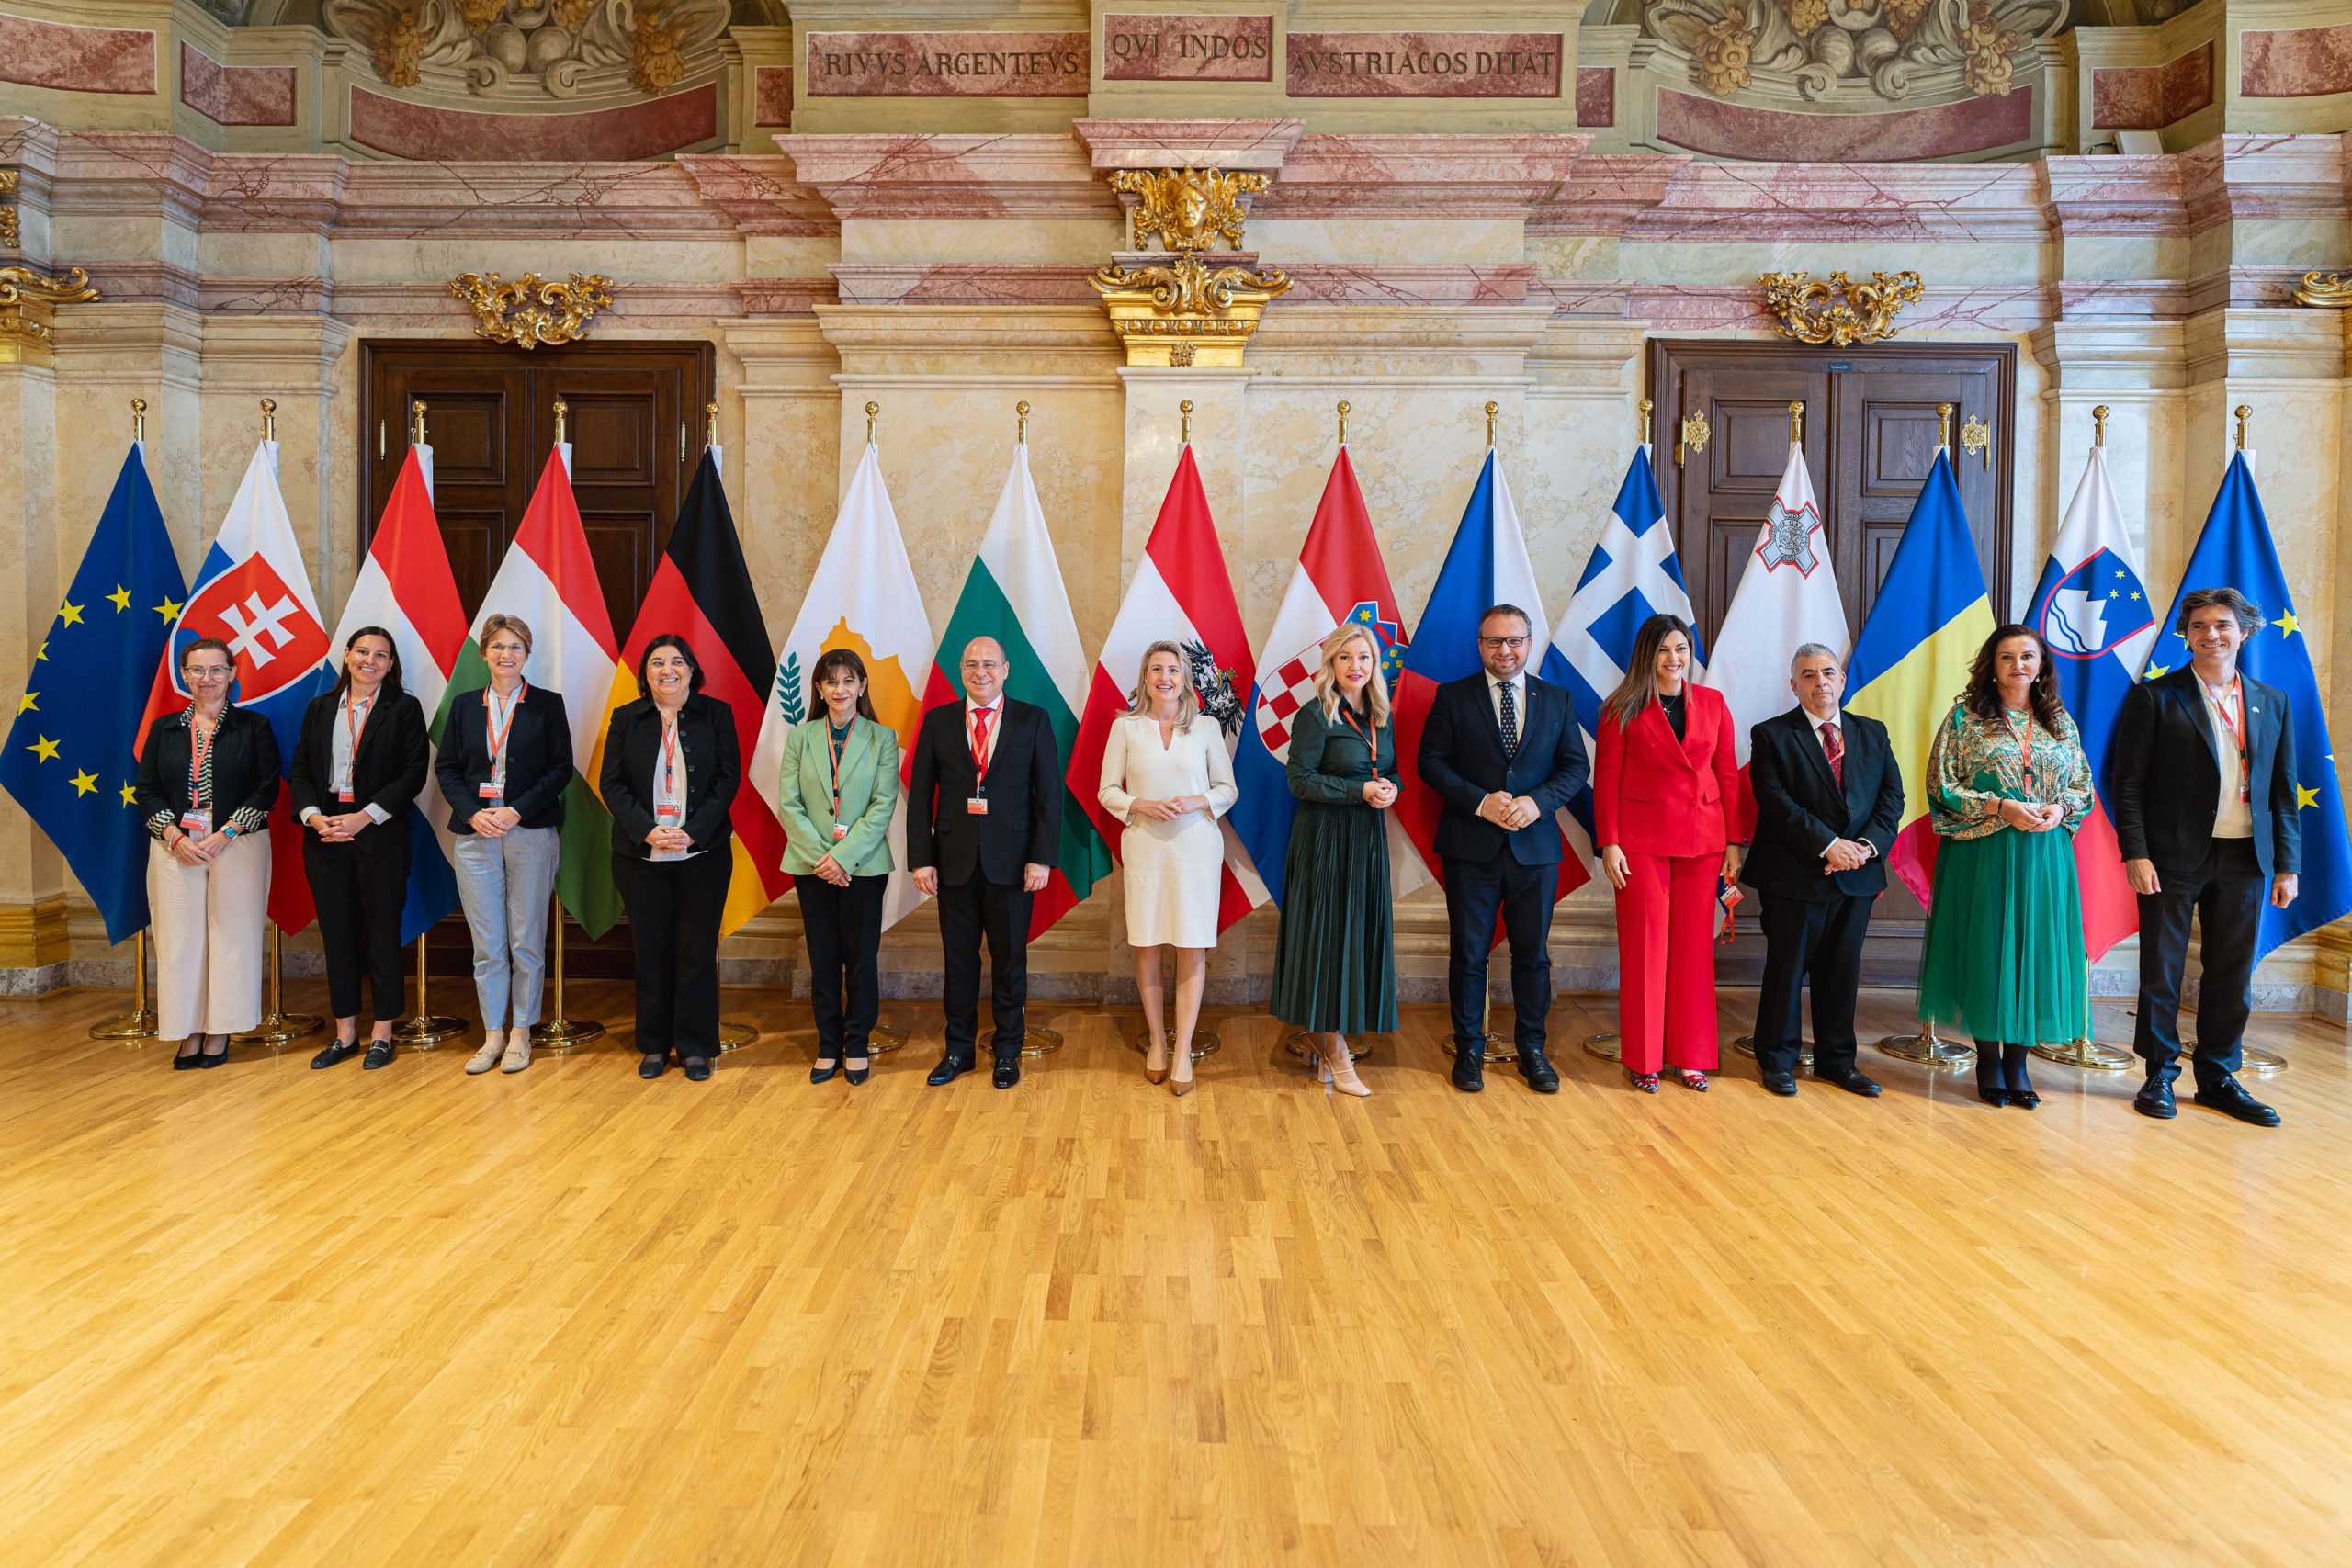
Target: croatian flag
1340	577
2092	608
253	595
1631	575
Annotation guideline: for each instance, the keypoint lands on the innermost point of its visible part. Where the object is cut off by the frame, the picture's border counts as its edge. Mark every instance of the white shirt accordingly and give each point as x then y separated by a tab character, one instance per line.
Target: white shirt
995	711
2232	816
1837	717
1518	684
670	788
339	755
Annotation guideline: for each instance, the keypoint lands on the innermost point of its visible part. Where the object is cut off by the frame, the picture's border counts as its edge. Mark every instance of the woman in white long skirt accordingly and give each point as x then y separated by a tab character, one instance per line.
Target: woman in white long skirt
1167	776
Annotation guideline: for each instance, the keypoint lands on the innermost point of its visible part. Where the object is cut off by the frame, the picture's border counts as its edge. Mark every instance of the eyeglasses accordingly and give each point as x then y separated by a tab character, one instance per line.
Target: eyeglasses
1504	641
208	672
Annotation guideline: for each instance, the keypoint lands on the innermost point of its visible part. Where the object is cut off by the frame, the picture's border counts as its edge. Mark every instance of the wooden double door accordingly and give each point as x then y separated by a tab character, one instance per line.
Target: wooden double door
1871	429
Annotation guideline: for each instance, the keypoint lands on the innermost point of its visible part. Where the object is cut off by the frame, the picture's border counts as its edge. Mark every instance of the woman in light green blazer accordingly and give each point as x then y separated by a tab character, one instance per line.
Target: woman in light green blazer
838	787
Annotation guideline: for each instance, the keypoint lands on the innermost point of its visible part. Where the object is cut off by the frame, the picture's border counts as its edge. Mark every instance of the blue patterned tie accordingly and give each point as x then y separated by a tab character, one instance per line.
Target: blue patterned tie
1510	721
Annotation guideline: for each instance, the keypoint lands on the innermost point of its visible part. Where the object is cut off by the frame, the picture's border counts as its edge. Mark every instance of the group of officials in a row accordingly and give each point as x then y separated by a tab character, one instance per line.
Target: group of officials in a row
2202	795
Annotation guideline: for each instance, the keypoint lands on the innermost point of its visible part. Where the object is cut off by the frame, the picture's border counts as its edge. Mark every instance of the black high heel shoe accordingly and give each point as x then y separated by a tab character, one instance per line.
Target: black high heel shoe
2021	1088
856	1075
1989	1086
821	1073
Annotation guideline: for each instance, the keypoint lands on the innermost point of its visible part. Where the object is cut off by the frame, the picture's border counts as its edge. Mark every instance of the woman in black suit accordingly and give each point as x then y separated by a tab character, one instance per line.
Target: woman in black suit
504	762
358	767
672	763
208	776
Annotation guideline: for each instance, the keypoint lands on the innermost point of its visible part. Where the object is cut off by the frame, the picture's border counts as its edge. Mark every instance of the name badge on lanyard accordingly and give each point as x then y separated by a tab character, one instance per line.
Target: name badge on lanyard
493	789
834	755
2232	717
197	820
977	805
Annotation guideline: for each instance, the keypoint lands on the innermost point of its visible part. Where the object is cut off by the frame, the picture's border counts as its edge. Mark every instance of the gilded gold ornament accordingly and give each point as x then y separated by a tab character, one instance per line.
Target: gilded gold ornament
526	312
2328	290
1839	312
1186	313
28	299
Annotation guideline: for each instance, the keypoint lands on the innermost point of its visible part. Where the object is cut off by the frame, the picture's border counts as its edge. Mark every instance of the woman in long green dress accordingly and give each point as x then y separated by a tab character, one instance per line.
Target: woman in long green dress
2008	785
1335	966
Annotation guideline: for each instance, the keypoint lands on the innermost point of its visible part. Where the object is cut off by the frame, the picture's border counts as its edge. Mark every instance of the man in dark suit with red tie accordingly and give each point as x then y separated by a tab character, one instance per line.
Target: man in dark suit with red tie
984	820
1829	800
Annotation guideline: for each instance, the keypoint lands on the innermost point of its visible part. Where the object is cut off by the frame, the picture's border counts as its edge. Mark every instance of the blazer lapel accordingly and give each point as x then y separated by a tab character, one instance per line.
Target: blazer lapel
1661	734
2192	702
1808	740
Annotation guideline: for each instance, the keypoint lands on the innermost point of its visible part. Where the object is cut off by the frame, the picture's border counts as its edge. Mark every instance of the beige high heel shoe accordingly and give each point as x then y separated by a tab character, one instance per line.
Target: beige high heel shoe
1341	1074
1182	1087
494	1046
1151	1074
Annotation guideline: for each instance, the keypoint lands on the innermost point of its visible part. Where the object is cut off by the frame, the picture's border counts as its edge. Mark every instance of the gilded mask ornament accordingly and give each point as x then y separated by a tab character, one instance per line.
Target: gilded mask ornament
527	311
1914	50
1186	313
1839	312
522	49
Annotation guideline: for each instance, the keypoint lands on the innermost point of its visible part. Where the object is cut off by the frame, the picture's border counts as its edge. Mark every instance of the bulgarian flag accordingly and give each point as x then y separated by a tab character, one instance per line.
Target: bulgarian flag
1182	592
1015	594
702	591
862	598
549	580
406	587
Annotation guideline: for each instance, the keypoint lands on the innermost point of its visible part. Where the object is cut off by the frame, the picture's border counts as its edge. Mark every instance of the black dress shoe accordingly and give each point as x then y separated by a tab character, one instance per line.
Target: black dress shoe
2229	1096
1470	1070
650	1066
341	1050
2156	1099
1852	1081
1537	1069
212	1059
380	1054
948	1070
188	1063
698	1068
1008	1072
821	1073
1783	1084
856	1075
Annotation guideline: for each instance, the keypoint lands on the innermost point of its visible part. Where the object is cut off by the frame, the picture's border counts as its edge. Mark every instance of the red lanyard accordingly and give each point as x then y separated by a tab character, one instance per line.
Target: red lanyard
498	732
1349	713
2232	714
669	755
980	746
199	748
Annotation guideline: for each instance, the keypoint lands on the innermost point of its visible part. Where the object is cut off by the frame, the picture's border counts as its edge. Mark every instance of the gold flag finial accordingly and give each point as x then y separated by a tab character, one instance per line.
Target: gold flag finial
1020	421
1343	421
1492	410
2098	425
1943	425
1796	424
710	425
873	412
269	419
1644	433
2245	411
1184	419
416	422
562	409
139	419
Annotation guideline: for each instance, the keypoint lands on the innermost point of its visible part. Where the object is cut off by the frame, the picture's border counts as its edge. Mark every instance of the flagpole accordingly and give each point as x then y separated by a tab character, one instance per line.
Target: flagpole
1608	1045
278	1027
2254	1059
1036	1040
559	1032
139	1023
425	1029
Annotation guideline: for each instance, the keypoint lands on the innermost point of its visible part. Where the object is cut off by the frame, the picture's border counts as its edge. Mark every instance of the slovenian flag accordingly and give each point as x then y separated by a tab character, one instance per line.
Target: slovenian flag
1929	618
549	580
406	587
1340	577
1180	592
862	598
1015	594
2092	608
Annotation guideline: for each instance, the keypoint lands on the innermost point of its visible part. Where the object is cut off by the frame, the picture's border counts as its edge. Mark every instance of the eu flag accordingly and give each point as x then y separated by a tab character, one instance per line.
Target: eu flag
73	752
2236	551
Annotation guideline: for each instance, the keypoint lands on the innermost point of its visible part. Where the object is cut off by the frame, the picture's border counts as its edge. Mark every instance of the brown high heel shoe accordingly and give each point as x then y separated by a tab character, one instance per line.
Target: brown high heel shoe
1151	1074
1341	1074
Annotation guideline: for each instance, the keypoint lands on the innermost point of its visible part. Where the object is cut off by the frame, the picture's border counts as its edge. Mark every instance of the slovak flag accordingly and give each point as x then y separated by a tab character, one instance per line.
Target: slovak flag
1340	577
2092	608
254	593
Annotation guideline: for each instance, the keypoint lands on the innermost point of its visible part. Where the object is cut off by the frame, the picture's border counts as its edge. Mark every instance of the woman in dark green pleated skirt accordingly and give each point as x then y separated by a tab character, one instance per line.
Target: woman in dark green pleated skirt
2008	785
1335	963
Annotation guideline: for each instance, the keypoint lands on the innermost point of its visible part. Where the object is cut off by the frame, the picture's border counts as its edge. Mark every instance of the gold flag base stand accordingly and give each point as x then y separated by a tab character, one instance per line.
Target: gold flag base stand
425	1029
1204	1042
1608	1047
279	1028
733	1035
1040	1042
2261	1062
139	1023
1490	1052
883	1038
2087	1053
1745	1045
1936	1056
562	1034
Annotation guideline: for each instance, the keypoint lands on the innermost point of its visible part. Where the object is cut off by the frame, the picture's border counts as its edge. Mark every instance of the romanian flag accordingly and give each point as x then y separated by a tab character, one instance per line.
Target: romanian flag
1911	662
702	591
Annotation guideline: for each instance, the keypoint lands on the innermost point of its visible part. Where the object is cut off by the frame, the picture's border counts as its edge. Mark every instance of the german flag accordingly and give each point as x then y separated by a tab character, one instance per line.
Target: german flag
702	591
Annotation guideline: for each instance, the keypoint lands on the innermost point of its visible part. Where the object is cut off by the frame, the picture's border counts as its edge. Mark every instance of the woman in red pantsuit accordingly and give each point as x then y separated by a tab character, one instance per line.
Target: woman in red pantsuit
1662	791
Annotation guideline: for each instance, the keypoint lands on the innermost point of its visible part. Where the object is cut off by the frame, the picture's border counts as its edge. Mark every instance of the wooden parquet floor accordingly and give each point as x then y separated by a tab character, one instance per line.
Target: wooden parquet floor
264	1315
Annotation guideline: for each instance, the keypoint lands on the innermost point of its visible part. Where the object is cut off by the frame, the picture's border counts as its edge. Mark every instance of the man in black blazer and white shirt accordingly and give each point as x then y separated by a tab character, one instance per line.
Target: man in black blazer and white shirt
1502	750
984	821
1829	800
2203	782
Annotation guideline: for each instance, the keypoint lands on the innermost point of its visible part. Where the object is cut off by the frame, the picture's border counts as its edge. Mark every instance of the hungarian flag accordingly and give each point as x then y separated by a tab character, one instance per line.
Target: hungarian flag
254	593
1015	594
1181	594
549	580
1787	597
862	598
405	586
1340	577
702	591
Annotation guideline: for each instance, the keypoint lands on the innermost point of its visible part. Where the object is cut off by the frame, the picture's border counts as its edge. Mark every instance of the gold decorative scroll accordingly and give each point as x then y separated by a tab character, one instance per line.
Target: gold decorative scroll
1839	312
10	235
28	299
1976	438
526	312
2328	290
1186	313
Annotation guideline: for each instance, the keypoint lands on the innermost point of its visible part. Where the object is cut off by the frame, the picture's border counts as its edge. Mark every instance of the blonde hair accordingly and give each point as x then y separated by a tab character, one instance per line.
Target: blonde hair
1188	704
502	622
1326	683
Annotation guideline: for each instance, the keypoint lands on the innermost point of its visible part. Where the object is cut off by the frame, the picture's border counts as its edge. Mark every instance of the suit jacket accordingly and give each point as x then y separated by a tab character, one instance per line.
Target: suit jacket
1800	807
538	757
245	770
2164	776
387	769
1024	825
1653	795
1462	759
869	788
707	748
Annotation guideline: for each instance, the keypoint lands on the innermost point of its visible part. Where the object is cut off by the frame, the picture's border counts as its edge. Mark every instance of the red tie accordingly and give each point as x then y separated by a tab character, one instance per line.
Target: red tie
1833	745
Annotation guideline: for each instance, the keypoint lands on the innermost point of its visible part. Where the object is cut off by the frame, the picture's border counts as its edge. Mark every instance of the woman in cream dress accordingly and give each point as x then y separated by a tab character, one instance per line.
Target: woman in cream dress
1165	776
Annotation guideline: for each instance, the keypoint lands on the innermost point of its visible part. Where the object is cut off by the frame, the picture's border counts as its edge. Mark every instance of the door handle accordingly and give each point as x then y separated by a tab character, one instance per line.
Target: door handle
1690	435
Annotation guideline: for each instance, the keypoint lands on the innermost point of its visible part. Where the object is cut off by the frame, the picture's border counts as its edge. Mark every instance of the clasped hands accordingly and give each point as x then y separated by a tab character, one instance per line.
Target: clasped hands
1379	793
189	849
340	829
1166	810
493	821
669	840
2028	817
1510	812
1844	854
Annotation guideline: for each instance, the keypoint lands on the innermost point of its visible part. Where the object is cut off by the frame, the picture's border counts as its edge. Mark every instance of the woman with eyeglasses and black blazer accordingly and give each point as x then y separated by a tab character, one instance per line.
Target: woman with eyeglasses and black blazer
358	767
672	763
